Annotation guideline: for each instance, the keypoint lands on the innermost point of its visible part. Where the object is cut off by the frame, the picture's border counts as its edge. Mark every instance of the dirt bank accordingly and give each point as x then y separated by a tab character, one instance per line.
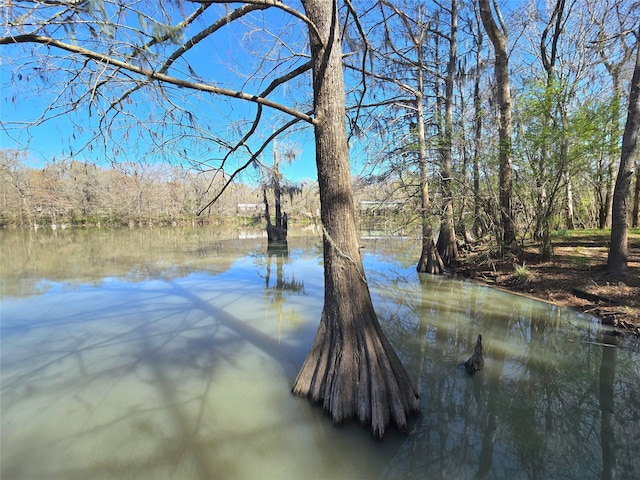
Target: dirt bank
574	278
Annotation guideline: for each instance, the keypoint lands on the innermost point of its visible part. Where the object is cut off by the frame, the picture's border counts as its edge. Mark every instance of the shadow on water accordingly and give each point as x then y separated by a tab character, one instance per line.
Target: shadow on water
142	352
286	354
169	378
156	357
186	374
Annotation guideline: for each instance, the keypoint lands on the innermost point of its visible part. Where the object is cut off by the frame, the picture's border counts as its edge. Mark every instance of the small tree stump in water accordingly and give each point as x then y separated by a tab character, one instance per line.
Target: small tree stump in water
476	361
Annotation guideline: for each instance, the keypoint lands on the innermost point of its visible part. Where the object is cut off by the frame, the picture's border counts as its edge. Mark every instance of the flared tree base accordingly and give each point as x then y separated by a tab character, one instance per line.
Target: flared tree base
447	247
353	371
276	235
430	262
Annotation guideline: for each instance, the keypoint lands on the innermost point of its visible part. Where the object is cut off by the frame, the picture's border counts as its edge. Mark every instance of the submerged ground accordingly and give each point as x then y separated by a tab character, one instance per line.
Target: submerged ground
577	267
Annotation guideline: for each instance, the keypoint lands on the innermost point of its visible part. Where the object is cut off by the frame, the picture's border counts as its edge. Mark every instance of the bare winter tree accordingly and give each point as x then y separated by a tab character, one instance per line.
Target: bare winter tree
447	244
403	55
497	33
15	190
102	57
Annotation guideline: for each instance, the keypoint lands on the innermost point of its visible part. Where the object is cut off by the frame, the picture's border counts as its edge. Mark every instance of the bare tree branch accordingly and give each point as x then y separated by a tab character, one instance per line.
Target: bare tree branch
271	3
150	74
251	160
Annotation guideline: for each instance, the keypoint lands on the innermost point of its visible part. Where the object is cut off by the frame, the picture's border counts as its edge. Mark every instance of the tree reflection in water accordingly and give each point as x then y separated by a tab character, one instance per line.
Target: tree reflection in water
537	410
276	292
606	397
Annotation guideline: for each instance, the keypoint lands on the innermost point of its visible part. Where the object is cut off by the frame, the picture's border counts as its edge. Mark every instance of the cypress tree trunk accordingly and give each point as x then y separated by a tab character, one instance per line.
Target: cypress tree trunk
351	369
276	234
447	244
430	261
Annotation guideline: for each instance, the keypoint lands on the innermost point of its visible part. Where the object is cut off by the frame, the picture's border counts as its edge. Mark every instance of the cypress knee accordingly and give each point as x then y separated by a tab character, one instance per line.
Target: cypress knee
475	363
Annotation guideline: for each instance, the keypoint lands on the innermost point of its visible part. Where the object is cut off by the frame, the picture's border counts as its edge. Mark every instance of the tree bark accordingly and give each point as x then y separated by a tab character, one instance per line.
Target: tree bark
276	233
618	248
430	261
636	199
352	370
447	245
498	38
478	113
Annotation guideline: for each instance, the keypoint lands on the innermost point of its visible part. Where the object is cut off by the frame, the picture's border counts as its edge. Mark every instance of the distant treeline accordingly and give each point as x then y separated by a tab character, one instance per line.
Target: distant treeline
74	193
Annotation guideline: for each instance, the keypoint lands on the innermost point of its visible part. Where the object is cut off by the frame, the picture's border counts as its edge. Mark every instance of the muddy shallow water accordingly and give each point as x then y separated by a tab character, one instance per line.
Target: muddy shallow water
170	353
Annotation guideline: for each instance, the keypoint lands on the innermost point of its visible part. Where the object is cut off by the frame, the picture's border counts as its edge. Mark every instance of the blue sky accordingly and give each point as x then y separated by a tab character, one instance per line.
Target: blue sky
24	98
52	141
230	62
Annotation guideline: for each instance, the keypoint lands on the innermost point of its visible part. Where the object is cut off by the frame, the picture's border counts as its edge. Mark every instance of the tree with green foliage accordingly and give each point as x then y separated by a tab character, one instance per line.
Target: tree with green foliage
614	52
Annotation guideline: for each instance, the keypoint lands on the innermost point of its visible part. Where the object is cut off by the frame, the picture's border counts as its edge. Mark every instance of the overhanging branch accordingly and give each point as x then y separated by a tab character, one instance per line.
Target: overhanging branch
271	3
253	158
150	74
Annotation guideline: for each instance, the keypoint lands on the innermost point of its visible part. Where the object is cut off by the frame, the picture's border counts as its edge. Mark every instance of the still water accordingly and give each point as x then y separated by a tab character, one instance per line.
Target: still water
169	354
